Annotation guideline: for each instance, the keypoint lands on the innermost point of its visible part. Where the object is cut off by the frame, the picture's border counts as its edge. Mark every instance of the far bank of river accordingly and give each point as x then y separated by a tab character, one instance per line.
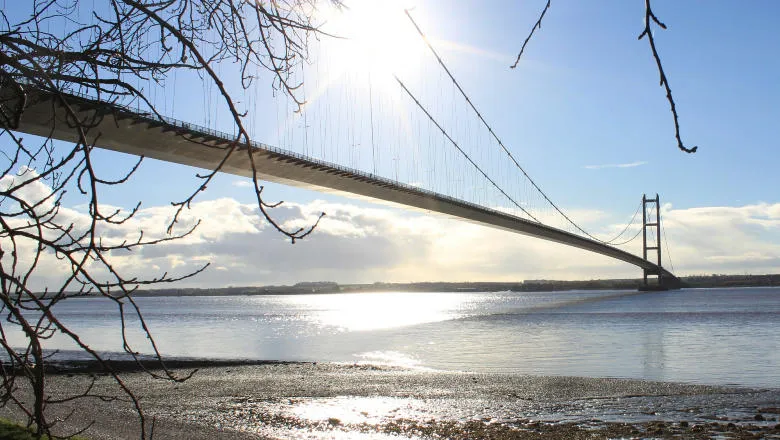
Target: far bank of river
702	281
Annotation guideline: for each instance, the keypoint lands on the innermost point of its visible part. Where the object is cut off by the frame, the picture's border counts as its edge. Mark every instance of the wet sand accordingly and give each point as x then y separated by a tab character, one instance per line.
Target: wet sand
318	401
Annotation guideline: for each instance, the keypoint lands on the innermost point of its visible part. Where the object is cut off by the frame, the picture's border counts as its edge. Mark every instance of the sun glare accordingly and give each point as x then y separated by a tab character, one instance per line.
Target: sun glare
378	37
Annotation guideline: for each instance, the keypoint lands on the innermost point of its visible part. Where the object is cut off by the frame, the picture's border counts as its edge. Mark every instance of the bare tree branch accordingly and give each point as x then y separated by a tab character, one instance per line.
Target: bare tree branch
538	25
105	54
649	19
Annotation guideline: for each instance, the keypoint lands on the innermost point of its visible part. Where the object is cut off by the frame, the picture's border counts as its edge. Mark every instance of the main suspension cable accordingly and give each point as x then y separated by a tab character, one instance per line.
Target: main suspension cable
455	144
629	240
636	213
668	252
495	136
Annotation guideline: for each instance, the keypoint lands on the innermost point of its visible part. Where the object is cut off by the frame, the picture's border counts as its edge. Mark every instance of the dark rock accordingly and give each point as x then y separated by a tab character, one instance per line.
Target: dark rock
759	418
683	424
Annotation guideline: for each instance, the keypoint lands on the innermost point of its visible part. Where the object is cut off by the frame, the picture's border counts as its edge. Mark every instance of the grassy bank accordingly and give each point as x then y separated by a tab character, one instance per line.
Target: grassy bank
13	431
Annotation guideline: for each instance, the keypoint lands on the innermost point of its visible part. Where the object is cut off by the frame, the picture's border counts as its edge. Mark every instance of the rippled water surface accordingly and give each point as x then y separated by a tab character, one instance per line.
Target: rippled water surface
713	336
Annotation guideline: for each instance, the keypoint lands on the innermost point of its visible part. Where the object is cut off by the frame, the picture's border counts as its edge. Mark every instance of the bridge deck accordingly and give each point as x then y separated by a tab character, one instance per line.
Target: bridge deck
170	140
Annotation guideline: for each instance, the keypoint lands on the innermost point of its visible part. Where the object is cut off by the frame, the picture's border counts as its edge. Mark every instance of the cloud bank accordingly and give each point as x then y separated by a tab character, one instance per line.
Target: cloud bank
355	244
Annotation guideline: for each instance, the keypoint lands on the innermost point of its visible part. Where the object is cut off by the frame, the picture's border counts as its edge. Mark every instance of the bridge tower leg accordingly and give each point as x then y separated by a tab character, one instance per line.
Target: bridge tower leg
654	224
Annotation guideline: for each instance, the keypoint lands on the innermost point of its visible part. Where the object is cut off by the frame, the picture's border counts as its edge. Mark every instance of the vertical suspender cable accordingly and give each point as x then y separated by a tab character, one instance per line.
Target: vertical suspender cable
495	136
668	252
304	110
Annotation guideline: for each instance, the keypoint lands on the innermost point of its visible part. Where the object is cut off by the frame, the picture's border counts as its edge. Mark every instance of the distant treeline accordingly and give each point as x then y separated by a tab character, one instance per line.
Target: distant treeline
297	289
716	280
524	286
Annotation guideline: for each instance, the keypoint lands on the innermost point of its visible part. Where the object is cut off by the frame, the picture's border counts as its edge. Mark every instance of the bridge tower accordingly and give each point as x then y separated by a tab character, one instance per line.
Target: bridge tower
653	223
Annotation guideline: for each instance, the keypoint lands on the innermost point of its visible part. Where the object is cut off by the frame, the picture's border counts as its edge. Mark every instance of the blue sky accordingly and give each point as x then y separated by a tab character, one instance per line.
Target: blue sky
583	113
586	94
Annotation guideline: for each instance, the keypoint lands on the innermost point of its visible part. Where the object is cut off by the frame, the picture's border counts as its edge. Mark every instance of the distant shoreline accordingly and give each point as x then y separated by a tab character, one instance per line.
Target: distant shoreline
699	281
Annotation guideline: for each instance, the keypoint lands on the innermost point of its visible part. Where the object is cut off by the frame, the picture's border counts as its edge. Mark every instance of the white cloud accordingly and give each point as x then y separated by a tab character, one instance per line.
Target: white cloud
725	239
617	165
242	183
364	245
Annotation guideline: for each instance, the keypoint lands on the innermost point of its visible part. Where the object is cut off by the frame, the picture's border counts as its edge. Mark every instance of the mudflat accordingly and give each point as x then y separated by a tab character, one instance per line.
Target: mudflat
316	400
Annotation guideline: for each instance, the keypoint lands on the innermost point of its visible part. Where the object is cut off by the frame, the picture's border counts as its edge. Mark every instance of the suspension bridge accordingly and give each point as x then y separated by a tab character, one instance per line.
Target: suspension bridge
470	173
180	142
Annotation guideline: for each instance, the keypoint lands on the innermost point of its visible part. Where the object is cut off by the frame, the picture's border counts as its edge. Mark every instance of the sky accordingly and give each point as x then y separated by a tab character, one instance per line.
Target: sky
583	113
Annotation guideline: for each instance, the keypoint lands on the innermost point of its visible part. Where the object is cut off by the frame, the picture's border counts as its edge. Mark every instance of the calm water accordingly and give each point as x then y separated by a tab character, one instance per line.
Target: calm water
718	336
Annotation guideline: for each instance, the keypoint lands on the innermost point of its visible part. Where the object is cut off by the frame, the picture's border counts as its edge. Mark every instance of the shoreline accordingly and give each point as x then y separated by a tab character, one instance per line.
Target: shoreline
124	364
269	399
148	363
525	286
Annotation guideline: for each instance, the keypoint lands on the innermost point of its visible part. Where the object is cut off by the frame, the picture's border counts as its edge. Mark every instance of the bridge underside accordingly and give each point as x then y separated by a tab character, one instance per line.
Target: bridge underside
174	141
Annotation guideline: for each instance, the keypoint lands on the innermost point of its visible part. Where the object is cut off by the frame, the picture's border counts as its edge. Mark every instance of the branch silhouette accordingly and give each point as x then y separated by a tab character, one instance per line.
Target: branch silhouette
104	55
648	32
650	18
538	25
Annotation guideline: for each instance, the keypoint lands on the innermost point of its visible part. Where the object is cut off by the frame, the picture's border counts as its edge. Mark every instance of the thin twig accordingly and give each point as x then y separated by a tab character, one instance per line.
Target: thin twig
538	25
650	17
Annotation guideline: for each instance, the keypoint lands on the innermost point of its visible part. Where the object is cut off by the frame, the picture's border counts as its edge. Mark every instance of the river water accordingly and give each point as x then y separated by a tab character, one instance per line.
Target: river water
706	336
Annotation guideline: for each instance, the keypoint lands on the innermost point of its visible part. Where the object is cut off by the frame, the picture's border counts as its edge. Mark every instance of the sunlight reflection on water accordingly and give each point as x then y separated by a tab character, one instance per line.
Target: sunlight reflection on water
353	410
375	311
390	358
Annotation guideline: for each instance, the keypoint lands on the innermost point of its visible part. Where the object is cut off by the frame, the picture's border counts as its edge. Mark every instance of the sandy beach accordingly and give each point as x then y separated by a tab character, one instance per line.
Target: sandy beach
319	401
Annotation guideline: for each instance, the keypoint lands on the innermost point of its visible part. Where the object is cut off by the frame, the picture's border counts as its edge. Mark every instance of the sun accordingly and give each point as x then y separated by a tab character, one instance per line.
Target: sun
375	36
